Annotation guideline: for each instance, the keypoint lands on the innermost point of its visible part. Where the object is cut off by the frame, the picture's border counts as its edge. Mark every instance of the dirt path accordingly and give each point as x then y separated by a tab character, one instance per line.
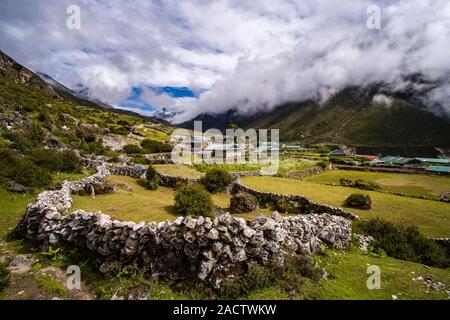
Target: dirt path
42	284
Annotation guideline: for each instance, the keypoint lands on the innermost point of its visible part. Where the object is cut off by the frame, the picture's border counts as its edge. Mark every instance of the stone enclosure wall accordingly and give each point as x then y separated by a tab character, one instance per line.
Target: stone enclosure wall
295	204
209	249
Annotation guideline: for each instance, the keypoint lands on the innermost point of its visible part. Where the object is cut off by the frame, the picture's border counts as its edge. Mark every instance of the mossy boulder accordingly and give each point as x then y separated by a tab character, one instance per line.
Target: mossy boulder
359	200
243	202
100	187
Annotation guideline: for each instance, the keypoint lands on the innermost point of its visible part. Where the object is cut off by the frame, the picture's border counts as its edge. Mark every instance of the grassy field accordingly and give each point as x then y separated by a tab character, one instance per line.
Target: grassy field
12	208
291	164
285	165
12	205
410	184
348	276
347	269
178	170
432	217
142	204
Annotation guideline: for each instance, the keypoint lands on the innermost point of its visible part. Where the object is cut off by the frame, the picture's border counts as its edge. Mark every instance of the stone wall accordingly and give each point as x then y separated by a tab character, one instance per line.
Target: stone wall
253	173
134	172
159	158
296	203
175	181
444	242
380	169
300	174
209	249
300	204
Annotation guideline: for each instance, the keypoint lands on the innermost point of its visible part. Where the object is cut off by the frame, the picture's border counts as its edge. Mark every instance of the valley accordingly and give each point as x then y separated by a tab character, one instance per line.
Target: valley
216	231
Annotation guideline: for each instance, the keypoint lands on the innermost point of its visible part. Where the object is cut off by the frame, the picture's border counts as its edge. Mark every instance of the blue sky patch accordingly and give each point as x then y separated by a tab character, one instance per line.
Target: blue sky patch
134	100
176	92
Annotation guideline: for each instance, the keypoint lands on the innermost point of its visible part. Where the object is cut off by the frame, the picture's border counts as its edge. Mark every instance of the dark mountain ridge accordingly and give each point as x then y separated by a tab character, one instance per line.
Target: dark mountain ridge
351	116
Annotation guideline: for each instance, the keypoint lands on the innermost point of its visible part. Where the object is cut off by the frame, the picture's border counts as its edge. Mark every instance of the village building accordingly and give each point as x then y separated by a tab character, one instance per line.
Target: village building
220	151
439	169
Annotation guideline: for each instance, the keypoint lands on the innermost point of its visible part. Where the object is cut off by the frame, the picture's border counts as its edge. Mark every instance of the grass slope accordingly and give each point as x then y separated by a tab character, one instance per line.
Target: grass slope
432	217
350	117
347	279
410	184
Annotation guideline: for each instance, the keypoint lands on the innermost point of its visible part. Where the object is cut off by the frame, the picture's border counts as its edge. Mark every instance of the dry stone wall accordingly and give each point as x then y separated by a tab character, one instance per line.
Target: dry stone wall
209	249
296	203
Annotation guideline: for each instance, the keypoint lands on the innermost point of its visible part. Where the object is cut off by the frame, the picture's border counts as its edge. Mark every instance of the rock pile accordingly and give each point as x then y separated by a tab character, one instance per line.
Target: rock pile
209	249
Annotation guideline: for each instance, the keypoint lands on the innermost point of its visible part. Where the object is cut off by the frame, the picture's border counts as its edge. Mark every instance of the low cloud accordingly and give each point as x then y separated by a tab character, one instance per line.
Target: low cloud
382	99
251	55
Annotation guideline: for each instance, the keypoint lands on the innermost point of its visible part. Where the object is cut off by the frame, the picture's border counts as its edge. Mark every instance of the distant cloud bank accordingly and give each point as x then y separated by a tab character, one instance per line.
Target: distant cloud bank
251	55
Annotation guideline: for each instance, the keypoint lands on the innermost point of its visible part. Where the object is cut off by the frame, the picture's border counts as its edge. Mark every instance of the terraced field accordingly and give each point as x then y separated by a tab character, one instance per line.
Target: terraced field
432	217
410	184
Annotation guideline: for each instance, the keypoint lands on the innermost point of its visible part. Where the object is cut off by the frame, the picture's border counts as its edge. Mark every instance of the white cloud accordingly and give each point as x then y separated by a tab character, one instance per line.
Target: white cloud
382	99
252	55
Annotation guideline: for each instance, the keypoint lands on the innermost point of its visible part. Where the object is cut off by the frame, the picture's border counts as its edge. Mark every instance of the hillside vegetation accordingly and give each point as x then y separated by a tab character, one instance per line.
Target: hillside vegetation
348	117
43	133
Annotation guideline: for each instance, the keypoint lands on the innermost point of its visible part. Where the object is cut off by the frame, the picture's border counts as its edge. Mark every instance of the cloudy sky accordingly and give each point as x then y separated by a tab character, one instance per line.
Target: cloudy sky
209	56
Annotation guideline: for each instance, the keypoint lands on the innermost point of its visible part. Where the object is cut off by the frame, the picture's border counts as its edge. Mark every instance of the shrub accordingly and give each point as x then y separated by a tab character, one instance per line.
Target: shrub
256	277
4	276
194	200
243	202
20	141
30	175
93	147
21	169
290	276
137	158
132	148
358	200
216	180
404	243
152	178
323	164
346	182
47	158
118	130
153	146
361	184
52	160
70	161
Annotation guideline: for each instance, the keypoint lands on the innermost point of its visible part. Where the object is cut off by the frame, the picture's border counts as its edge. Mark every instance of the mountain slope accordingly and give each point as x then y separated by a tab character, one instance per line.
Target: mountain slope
17	73
348	117
34	112
69	94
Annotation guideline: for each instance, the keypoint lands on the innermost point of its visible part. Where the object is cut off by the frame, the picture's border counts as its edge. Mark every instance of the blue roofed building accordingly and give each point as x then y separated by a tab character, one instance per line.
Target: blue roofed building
435	161
439	169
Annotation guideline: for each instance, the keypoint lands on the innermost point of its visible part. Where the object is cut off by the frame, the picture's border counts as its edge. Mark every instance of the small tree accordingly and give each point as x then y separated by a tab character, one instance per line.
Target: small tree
153	146
152	178
132	148
358	200
216	180
5	276
194	200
